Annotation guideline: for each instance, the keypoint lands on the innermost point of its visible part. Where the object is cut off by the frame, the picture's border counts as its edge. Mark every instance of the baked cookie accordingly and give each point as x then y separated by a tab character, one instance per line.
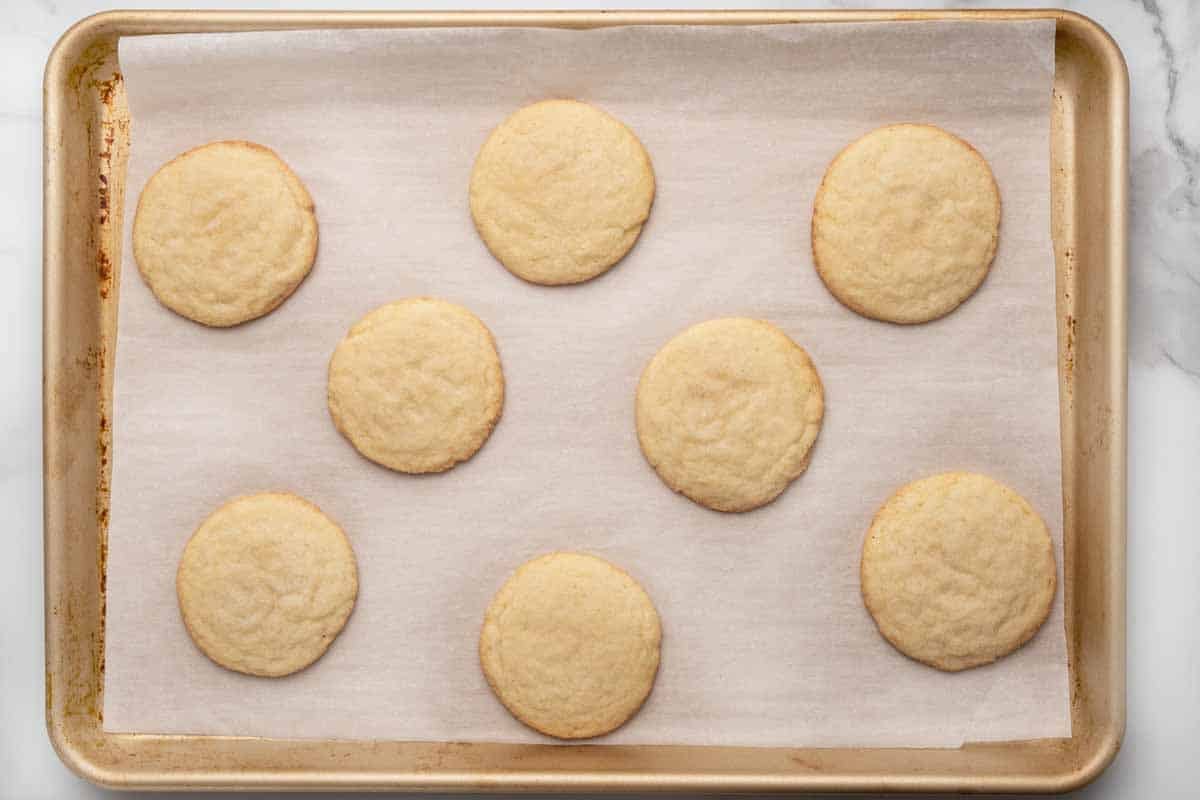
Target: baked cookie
570	645
727	412
905	223
560	192
957	570
266	583
416	385
224	233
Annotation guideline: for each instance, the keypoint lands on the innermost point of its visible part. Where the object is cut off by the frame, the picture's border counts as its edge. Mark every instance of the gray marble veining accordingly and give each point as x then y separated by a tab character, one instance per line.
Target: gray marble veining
1165	175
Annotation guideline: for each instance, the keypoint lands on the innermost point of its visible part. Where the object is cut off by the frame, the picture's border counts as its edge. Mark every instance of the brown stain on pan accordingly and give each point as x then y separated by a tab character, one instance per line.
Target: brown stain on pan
1069	352
104	272
103	200
108	88
103	447
89	61
112	126
111	151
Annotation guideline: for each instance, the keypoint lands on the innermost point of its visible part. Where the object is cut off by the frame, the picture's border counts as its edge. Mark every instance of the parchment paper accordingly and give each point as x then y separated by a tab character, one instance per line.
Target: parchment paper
766	639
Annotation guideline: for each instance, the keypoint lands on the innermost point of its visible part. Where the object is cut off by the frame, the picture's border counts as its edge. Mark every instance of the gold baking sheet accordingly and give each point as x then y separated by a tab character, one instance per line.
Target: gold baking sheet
86	145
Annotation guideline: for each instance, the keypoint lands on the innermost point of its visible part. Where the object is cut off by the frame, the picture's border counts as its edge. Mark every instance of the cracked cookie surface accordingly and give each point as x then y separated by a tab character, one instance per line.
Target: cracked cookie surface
416	385
905	223
570	645
728	412
560	191
266	583
224	233
957	570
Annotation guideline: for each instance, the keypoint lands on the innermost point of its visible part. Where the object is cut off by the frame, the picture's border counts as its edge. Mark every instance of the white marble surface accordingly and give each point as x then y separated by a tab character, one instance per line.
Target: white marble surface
1161	42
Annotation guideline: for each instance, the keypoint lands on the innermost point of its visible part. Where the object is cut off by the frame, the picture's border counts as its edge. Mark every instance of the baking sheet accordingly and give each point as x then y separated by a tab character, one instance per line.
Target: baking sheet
766	641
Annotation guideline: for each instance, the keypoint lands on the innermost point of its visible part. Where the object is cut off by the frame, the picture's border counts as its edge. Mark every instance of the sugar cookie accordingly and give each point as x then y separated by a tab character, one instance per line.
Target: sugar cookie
560	192
416	385
266	583
905	223
224	233
570	645
728	411
957	570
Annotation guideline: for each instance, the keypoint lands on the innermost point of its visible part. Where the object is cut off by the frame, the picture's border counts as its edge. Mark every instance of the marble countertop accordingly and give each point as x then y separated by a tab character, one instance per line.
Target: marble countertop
1161	43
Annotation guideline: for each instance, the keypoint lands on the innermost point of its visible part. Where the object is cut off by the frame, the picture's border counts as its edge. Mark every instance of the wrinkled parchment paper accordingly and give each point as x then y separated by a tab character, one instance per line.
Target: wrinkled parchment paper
766	639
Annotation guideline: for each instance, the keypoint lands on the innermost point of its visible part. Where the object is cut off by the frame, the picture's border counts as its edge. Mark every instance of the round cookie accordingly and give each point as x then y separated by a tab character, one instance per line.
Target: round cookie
266	583
905	223
416	385
957	570
224	233
728	411
560	191
570	645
